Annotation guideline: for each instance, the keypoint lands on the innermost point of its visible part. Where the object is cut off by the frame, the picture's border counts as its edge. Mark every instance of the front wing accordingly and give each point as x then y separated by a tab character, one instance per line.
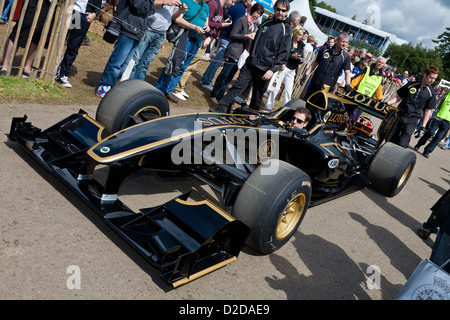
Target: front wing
183	239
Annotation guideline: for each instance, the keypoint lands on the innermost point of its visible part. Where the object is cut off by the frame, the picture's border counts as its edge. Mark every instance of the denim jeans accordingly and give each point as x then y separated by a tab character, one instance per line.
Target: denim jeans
146	51
6	8
167	83
438	128
215	63
120	57
74	41
441	250
223	79
447	142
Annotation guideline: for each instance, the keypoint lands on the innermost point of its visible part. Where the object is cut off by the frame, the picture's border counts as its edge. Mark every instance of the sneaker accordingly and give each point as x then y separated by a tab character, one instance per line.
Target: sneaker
416	147
214	100
27	75
64	80
423	233
426	155
207	86
86	41
102	90
184	94
3	73
206	57
180	96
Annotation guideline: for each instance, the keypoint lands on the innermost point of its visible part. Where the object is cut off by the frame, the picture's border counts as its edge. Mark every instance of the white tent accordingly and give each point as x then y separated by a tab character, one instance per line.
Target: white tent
302	6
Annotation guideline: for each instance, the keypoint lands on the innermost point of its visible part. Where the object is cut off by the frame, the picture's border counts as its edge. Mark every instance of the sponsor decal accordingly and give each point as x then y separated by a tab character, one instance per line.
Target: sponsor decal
333	163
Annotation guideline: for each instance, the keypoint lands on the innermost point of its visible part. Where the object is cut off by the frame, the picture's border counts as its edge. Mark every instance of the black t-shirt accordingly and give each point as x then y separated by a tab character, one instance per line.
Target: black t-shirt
416	98
294	63
330	67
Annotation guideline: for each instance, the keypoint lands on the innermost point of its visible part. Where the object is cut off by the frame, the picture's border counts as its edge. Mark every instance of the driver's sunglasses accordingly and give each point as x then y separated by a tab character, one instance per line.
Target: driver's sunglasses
282	10
294	119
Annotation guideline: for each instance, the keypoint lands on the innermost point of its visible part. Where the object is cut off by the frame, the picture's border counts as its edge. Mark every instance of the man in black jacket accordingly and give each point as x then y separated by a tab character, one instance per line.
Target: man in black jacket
328	66
132	14
270	50
418	99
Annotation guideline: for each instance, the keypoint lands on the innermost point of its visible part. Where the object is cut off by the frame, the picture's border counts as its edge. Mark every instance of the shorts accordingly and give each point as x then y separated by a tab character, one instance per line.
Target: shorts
28	22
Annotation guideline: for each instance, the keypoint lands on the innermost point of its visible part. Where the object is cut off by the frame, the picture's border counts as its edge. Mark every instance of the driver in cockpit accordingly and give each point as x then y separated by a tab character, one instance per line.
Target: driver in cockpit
300	118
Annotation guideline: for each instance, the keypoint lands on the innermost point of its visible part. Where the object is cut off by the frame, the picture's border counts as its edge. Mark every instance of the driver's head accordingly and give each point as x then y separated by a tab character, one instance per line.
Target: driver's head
301	118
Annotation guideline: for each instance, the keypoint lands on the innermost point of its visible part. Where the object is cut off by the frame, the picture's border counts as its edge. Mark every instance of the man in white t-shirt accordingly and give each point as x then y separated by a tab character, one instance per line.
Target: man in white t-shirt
309	44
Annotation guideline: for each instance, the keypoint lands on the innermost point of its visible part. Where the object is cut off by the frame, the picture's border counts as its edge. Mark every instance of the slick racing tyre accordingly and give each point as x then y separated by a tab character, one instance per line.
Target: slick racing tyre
391	168
129	102
273	204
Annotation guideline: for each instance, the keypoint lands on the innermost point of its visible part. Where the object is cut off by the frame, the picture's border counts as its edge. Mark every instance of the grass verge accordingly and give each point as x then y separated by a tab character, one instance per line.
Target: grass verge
20	90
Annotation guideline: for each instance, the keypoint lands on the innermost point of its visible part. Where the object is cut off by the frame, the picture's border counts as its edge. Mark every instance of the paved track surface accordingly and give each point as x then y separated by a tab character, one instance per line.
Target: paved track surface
45	230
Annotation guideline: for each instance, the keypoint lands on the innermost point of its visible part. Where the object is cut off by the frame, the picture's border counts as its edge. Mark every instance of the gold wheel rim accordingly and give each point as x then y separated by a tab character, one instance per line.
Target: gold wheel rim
153	109
290	216
404	176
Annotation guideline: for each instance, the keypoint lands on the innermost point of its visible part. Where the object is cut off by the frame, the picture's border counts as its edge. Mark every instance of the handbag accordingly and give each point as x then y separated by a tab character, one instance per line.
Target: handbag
428	282
244	55
113	28
175	31
274	81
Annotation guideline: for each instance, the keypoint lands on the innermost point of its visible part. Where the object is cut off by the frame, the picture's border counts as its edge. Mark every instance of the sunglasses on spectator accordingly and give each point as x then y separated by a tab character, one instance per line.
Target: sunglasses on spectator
294	119
282	10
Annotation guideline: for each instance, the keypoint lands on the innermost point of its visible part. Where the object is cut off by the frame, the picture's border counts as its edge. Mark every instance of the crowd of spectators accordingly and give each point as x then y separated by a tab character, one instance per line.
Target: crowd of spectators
219	31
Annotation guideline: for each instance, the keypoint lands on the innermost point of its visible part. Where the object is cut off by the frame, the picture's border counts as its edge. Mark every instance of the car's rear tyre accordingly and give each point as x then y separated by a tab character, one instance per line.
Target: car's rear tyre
131	98
391	168
273	205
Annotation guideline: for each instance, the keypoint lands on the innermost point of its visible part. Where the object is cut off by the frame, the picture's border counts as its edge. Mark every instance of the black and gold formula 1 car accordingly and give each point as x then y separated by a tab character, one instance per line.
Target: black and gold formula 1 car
267	174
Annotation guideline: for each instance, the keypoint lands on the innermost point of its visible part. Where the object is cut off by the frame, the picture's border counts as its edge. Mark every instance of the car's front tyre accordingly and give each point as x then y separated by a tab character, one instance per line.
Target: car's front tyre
273	204
129	102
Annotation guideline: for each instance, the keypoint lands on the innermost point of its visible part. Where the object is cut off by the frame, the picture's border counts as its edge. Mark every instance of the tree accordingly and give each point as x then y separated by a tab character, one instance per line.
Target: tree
443	48
413	58
322	4
325	6
312	5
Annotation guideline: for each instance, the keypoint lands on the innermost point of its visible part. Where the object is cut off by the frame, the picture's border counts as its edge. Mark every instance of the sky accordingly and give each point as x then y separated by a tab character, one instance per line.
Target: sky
416	21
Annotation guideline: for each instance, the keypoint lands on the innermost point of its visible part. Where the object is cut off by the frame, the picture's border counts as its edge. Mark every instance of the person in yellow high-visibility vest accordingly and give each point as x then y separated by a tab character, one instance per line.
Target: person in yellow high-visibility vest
369	83
438	128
